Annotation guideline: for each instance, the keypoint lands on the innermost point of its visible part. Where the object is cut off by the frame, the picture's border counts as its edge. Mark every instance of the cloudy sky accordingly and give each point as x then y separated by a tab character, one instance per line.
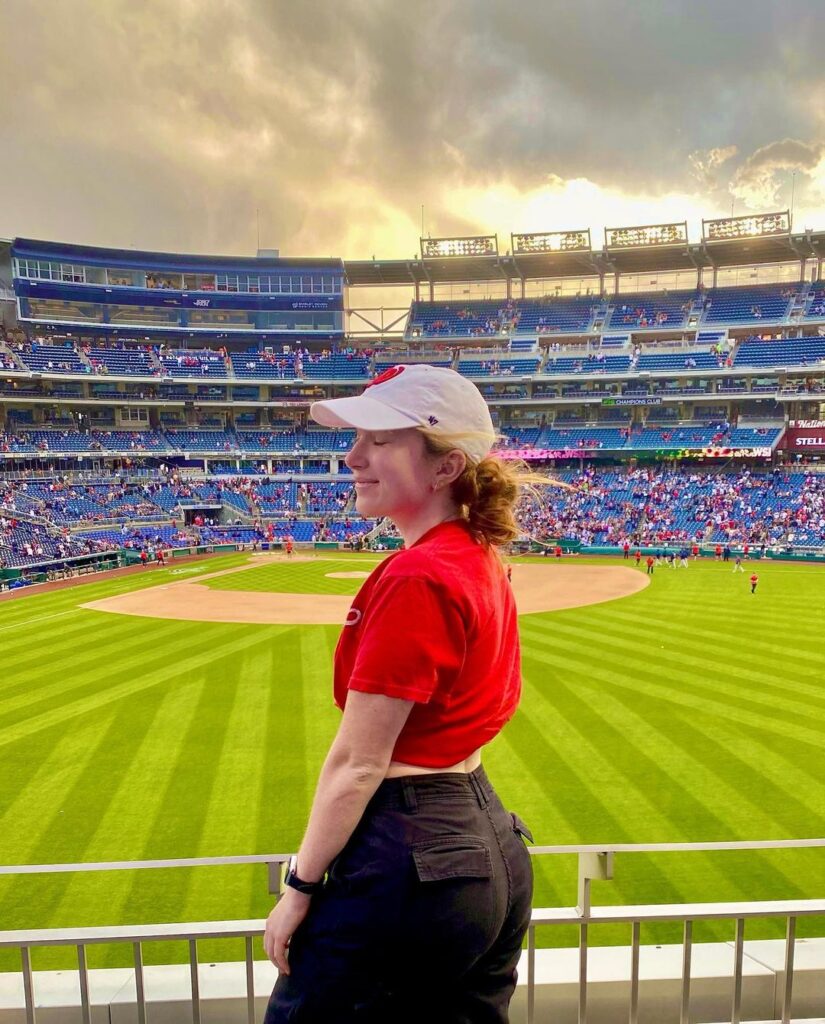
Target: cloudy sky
165	124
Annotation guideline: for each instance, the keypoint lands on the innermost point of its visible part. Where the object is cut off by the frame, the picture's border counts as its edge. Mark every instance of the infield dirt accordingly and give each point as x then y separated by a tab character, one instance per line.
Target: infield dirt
538	588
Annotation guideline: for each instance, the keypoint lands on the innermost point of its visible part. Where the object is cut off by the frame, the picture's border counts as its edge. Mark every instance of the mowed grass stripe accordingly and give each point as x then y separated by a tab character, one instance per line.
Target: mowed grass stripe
116	643
722	642
723	686
126	822
98	671
647	681
234	810
654	788
218	645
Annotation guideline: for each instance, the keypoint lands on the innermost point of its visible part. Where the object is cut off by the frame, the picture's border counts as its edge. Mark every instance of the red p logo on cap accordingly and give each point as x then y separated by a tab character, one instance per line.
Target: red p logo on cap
382	378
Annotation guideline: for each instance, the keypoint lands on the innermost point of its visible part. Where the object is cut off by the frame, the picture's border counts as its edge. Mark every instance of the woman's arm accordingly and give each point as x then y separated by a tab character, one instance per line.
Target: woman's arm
354	768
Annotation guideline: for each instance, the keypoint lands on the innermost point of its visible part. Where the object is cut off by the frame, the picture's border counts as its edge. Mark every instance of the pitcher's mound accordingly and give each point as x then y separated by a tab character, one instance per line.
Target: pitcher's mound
537	588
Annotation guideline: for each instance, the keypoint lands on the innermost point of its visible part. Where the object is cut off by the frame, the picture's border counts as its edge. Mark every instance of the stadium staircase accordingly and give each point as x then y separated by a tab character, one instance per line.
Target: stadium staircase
800	302
601	316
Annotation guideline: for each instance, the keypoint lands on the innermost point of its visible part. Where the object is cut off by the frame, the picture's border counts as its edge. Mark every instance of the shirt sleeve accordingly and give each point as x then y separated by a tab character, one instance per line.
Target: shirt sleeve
412	644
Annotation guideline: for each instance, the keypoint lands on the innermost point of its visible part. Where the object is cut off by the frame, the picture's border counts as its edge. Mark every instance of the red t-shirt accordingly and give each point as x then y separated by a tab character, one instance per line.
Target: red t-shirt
436	624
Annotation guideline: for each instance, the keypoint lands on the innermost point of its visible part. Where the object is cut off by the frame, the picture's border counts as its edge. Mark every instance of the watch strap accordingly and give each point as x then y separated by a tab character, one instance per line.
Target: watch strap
294	882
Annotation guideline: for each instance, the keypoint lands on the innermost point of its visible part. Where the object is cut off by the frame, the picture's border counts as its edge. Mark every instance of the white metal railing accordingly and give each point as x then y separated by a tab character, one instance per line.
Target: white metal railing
595	862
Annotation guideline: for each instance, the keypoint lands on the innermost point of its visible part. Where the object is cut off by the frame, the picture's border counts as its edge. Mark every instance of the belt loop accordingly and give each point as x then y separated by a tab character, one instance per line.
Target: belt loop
478	789
410	801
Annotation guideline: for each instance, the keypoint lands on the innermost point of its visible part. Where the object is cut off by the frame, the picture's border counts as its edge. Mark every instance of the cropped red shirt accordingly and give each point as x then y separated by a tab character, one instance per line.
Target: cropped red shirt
436	624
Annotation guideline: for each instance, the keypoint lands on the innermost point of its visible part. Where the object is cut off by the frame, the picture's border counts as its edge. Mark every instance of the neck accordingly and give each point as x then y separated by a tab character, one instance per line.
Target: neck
414	527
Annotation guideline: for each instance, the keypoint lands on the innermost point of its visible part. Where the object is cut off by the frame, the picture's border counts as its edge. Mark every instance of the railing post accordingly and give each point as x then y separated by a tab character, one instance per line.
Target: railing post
790	943
83	971
687	953
276	872
195	982
598	866
28	984
739	944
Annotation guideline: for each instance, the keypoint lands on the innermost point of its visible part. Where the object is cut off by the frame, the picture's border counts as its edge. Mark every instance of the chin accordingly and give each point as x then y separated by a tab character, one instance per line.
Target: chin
367	508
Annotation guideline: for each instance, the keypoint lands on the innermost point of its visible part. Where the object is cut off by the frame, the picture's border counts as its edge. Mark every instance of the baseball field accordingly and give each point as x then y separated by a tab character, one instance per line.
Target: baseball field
687	710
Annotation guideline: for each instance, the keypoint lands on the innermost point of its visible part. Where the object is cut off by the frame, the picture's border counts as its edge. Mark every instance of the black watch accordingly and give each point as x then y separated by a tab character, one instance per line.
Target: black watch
294	882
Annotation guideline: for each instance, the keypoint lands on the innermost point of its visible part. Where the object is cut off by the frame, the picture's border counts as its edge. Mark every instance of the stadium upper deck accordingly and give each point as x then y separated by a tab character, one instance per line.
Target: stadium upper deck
55	282
116	341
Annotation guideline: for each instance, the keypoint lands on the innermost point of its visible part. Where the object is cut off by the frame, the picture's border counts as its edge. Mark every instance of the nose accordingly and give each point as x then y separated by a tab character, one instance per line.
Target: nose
355	456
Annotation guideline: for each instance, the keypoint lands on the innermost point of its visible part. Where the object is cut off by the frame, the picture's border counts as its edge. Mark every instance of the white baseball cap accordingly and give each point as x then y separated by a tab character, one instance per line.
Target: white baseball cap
418	395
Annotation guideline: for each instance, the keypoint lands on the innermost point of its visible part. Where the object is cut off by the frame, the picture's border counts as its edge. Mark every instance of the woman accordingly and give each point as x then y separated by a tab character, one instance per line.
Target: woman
428	886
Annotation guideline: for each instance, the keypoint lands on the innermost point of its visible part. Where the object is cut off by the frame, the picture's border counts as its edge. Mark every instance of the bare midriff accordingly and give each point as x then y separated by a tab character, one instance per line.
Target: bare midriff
398	768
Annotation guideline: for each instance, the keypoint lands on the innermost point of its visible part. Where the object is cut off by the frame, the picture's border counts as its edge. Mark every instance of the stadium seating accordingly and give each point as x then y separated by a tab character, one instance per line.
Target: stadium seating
765	303
654	310
263	365
585	364
494	317
340	366
192	363
123	361
201	440
788	352
698	360
52	359
129	440
498	367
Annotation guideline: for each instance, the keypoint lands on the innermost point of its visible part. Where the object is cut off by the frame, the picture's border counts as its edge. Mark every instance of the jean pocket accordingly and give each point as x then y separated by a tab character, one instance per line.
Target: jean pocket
452	857
520	828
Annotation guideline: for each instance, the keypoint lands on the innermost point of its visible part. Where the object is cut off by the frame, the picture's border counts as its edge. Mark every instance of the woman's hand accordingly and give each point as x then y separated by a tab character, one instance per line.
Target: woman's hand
281	925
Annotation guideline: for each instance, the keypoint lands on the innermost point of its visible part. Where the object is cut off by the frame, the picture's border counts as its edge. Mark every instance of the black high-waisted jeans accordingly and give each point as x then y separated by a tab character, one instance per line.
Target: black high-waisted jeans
422	916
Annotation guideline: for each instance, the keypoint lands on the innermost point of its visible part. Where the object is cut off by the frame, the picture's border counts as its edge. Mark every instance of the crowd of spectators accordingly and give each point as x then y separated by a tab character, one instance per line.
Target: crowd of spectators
655	506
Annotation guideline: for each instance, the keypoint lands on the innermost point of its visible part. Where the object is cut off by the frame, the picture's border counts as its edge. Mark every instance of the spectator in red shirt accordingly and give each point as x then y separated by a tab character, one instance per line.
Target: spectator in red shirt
418	850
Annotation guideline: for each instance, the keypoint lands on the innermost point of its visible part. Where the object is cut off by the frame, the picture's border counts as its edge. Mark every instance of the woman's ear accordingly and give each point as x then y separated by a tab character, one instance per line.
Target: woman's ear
450	468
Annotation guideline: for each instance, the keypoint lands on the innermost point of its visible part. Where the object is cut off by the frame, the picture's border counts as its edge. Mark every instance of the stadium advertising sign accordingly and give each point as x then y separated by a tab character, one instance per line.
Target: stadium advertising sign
804	436
650	234
720	453
640	400
533	454
551	241
472	245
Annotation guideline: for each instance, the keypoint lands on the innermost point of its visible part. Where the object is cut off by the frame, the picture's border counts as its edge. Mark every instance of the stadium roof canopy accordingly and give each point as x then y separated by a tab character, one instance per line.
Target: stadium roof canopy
164	261
654	248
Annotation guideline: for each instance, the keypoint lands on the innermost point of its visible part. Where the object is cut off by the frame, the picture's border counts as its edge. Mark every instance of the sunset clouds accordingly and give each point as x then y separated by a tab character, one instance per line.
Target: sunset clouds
167	125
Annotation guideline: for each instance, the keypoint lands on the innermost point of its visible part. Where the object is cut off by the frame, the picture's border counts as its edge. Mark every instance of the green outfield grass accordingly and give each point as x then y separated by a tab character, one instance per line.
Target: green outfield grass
690	711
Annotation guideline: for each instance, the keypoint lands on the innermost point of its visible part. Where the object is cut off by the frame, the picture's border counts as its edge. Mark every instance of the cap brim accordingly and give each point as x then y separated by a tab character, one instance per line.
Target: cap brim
359	412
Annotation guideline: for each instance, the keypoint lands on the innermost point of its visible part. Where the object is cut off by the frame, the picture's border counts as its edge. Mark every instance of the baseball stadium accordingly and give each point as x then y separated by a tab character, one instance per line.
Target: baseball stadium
180	548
